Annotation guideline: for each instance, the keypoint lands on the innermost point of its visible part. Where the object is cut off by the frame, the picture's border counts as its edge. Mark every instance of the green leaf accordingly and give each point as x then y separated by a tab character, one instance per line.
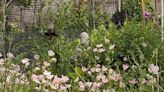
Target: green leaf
80	72
73	75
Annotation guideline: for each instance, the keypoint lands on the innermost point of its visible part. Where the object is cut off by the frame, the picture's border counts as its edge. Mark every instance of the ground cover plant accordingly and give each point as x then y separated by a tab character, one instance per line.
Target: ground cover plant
89	59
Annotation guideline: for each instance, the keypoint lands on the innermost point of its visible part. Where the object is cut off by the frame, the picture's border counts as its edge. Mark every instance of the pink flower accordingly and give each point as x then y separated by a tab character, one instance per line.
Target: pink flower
125	66
115	77
35	78
105	80
134	81
62	87
98	70
96	85
153	69
56	80
98	65
98	78
82	86
144	81
2	61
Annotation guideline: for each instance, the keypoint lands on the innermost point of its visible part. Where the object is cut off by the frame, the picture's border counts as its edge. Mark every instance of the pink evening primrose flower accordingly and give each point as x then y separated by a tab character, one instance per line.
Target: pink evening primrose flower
2	61
125	66
134	81
62	87
35	78
153	69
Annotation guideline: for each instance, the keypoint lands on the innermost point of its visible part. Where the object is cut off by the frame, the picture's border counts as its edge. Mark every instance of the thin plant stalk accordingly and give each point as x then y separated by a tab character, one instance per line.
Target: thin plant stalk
93	13
119	5
3	25
143	10
162	20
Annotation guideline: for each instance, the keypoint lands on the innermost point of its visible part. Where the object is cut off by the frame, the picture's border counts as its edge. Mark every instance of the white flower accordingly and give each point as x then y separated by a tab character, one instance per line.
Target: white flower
0	54
125	59
46	64
36	57
36	69
144	44
104	68
101	50
93	69
77	79
48	74
112	47
51	53
28	63
8	79
84	69
54	86
95	50
88	84
10	55
97	58
53	60
25	60
84	37
106	40
64	79
99	45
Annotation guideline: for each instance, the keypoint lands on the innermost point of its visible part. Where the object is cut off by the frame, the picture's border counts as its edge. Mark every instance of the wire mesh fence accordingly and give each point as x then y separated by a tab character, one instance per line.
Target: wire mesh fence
26	16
